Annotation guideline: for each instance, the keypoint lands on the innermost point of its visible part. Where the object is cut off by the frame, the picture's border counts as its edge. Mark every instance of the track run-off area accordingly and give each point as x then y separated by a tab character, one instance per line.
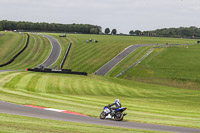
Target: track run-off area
15	109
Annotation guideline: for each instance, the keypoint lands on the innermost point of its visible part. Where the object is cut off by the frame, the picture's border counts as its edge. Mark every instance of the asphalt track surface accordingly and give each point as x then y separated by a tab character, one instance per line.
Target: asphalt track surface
117	59
55	53
15	109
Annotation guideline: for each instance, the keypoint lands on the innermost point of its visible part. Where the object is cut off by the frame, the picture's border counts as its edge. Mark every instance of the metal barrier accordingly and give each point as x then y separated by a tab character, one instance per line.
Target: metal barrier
65	57
63	71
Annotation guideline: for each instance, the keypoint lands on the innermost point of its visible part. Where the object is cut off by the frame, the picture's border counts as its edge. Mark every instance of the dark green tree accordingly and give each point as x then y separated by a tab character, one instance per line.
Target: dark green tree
131	32
53	27
114	32
107	30
1	27
137	32
94	31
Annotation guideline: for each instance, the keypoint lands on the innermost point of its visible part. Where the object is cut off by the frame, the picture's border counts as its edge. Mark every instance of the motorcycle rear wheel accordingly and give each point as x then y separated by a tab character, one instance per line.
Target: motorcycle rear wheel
119	116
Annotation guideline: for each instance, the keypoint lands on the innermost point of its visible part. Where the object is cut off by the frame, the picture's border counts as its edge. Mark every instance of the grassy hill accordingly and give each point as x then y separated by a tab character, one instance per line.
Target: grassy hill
148	103
37	52
89	57
175	66
10	44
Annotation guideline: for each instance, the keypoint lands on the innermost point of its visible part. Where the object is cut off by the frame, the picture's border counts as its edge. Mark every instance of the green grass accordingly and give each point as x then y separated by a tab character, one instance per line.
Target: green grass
174	66
10	44
23	124
89	57
35	54
148	103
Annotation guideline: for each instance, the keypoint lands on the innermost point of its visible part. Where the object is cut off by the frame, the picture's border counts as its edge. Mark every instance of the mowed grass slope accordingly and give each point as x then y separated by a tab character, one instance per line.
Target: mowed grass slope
174	66
22	124
36	53
89	57
10	44
146	103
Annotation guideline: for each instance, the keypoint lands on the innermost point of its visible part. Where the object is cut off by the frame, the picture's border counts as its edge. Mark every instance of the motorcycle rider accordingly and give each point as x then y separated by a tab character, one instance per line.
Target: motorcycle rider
117	106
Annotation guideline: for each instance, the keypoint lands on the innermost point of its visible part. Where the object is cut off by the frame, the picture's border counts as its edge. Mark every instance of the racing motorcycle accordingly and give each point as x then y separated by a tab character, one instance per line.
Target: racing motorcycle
115	114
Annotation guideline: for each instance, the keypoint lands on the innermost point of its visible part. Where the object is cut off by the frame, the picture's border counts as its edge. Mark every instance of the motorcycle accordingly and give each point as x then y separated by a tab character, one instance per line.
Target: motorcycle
115	114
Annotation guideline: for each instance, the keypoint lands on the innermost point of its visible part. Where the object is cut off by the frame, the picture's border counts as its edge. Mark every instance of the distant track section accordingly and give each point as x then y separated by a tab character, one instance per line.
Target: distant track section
17	53
55	53
117	59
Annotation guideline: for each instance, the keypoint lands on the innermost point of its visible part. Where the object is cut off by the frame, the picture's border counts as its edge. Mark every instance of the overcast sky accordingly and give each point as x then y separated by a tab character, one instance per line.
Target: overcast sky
124	15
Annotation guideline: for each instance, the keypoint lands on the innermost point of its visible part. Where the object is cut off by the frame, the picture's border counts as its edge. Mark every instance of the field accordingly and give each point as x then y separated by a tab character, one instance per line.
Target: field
172	66
146	103
37	52
10	44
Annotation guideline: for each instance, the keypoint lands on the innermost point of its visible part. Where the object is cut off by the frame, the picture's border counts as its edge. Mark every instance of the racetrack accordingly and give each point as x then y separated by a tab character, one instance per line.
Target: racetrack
117	59
55	53
15	109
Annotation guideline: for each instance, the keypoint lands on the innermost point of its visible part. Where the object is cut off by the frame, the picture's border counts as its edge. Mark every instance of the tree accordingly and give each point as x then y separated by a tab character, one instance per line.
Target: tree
131	32
114	32
94	31
137	32
1	27
107	30
54	27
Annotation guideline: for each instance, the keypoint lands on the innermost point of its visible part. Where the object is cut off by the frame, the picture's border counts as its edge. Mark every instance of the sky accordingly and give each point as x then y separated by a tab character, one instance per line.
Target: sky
123	15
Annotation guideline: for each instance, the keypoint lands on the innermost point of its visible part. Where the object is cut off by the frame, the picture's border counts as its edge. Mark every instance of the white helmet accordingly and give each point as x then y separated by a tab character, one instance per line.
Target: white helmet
116	100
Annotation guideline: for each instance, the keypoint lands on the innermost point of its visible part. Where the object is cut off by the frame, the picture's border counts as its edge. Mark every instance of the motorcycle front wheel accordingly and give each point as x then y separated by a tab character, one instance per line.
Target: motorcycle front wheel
102	115
119	116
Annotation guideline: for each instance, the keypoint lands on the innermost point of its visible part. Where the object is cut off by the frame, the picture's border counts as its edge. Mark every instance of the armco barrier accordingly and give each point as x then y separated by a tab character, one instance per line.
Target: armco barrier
17	53
61	66
64	71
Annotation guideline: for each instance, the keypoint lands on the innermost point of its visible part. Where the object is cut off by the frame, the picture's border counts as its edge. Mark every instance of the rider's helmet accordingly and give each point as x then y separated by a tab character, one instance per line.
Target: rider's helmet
117	101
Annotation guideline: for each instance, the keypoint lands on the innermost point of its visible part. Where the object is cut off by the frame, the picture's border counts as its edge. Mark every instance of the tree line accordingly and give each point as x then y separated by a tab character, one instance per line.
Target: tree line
50	27
181	32
113	32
